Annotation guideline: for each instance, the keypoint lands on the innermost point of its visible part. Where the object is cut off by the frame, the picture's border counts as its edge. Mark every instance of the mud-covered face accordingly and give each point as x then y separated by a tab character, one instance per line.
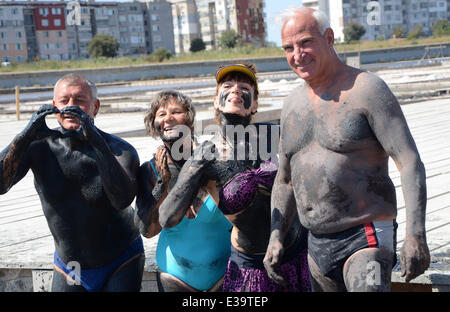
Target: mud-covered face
67	94
236	97
169	120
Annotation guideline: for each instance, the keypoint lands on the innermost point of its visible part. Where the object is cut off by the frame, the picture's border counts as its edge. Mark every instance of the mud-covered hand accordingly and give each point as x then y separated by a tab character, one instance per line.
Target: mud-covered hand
163	172
162	167
204	154
414	257
86	121
37	128
272	261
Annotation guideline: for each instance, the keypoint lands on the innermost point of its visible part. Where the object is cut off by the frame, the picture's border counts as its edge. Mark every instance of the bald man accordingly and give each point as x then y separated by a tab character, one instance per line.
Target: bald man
338	131
86	181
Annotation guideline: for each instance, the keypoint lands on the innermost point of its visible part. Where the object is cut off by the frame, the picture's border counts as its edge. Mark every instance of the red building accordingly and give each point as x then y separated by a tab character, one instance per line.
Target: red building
50	17
250	20
51	32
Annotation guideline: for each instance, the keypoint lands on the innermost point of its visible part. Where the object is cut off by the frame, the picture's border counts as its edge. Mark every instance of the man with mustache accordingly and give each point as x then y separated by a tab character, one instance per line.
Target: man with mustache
338	131
86	182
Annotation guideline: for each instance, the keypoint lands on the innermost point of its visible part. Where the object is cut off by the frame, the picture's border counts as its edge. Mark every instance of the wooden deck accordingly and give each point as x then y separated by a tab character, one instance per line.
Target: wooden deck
26	243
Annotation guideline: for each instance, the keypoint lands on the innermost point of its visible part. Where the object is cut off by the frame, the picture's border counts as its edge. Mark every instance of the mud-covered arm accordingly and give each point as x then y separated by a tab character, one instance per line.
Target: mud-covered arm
283	212
389	125
177	202
14	159
283	206
152	190
118	173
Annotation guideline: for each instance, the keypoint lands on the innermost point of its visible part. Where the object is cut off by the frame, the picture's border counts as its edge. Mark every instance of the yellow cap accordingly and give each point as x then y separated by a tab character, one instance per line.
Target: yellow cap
221	72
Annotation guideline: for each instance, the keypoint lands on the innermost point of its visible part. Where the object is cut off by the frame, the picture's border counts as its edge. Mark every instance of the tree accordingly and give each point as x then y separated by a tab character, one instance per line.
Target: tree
228	39
415	33
441	28
398	32
103	45
197	45
161	54
353	32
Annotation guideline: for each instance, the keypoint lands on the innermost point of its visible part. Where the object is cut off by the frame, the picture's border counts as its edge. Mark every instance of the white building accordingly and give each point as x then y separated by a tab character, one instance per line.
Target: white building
208	19
381	17
185	24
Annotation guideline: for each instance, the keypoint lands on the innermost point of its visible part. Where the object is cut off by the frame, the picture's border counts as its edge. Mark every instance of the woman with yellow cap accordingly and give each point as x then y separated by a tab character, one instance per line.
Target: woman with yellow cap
233	166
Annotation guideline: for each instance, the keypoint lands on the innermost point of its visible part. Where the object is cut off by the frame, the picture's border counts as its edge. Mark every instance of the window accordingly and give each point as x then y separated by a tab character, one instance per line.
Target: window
157	38
56	11
45	34
59	34
19	34
19	58
45	22
43	11
5	47
19	46
155	27
2	35
57	22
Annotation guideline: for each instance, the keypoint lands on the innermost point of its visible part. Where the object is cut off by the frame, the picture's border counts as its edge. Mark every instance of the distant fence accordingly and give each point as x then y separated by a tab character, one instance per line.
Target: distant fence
192	69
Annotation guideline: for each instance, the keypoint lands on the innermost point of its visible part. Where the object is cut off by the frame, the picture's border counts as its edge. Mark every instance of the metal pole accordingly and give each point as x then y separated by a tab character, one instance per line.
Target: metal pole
17	103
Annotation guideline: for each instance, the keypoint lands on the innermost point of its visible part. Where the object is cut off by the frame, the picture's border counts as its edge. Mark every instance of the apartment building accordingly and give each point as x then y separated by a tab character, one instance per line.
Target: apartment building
250	21
51	33
79	34
380	20
13	42
208	19
158	25
186	25
31	30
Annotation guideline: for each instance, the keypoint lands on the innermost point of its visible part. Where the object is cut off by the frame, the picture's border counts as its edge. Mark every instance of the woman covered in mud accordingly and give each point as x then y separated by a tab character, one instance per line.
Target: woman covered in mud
191	256
234	168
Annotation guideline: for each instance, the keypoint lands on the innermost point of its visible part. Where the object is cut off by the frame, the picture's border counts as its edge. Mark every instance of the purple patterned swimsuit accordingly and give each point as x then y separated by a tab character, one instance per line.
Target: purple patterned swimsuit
246	272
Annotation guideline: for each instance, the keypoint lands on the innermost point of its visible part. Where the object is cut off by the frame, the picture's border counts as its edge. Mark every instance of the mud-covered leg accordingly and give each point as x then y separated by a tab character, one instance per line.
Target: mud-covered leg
168	283
321	283
369	270
128	278
60	284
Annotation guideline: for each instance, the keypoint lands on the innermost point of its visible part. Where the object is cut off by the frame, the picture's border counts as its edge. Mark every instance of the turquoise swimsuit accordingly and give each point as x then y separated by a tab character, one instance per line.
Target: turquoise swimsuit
196	250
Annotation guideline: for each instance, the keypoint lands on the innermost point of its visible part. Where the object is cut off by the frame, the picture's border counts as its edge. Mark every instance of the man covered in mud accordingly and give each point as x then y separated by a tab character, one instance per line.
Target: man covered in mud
86	182
337	132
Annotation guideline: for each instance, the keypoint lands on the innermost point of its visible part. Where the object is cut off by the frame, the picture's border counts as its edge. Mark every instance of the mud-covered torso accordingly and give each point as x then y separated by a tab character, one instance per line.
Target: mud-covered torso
244	188
85	225
339	170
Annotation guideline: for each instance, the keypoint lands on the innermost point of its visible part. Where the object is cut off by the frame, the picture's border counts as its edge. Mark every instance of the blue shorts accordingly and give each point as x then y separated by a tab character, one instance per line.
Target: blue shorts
95	279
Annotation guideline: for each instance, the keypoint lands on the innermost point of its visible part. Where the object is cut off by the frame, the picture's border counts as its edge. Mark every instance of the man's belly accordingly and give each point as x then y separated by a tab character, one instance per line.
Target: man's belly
335	192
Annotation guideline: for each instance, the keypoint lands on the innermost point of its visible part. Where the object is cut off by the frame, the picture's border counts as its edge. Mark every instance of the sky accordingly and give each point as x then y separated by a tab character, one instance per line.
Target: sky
272	8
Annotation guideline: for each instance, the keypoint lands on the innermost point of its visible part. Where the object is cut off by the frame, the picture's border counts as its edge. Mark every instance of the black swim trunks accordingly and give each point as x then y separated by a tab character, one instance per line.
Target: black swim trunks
330	251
